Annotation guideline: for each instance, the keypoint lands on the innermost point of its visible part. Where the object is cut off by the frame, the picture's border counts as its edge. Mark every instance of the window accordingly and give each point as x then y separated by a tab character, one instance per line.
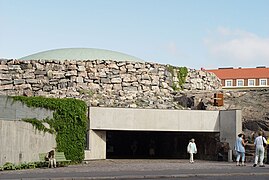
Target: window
240	82
263	82
228	83
251	82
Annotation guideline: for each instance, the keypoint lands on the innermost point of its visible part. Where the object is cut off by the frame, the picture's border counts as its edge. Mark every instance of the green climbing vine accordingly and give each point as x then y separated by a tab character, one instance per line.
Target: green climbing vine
69	122
181	74
38	124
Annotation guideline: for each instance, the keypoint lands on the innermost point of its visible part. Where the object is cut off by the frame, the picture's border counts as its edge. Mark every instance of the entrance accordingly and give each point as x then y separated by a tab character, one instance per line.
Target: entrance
160	145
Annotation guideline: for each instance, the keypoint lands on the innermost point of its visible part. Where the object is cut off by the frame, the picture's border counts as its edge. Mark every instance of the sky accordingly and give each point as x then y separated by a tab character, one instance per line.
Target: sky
193	33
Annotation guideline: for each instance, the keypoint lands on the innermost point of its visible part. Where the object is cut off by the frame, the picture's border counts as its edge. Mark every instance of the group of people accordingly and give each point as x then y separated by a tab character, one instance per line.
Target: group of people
260	144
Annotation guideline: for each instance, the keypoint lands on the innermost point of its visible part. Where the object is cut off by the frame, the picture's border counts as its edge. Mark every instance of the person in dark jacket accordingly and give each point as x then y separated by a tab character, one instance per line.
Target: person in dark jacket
52	160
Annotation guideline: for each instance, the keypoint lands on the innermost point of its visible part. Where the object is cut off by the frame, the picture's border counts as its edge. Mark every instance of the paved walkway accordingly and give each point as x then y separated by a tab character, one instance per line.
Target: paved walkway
138	169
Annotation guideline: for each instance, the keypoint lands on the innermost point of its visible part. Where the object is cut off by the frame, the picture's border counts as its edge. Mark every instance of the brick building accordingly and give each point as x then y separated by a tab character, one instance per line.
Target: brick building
243	77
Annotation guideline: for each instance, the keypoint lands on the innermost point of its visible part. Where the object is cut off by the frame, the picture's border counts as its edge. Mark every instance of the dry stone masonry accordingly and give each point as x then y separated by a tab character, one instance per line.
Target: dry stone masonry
100	82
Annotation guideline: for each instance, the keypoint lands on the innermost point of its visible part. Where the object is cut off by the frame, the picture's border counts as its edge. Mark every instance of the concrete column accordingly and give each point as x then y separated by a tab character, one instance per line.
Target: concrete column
230	127
97	145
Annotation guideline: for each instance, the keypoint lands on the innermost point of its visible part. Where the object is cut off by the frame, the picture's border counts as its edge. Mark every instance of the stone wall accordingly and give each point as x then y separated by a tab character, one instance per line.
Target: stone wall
99	82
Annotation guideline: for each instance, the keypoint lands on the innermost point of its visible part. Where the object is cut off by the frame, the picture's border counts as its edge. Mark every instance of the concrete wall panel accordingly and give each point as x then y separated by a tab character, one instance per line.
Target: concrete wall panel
153	119
97	147
20	142
15	110
230	127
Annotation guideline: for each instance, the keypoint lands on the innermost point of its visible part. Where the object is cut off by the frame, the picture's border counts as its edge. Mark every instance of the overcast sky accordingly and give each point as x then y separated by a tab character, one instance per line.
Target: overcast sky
191	33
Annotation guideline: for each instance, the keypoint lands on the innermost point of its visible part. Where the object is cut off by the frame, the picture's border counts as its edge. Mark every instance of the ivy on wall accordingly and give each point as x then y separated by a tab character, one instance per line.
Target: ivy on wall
69	122
38	124
181	74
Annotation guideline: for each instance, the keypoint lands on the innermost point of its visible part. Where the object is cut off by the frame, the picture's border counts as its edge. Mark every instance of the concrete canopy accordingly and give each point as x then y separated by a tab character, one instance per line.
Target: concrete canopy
103	119
81	54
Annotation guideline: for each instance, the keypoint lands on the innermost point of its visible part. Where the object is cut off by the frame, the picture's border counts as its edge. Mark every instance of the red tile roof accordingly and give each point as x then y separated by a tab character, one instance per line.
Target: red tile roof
241	73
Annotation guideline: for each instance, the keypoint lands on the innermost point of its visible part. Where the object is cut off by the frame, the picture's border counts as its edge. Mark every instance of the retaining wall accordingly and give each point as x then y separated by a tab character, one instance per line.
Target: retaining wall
100	82
19	141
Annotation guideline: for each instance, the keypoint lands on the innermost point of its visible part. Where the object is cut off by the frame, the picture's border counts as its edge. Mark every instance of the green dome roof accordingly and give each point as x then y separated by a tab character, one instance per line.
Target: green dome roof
80	54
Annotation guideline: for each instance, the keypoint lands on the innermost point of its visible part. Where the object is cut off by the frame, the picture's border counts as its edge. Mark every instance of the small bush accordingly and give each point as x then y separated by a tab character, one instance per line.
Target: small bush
9	166
25	165
41	164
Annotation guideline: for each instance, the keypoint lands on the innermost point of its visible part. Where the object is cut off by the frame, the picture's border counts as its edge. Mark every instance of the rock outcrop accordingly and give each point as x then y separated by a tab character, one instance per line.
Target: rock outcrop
253	103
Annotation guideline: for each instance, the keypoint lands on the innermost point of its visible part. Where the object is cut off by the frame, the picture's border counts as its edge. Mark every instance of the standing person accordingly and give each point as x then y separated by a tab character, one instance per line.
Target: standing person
192	149
259	149
240	149
52	160
134	148
152	148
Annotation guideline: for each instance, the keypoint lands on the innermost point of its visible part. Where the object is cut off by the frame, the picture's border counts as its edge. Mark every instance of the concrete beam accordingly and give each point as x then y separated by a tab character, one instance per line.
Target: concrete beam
153	120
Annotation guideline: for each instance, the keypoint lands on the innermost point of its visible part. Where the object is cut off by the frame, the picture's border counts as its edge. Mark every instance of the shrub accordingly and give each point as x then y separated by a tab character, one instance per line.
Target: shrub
181	74
9	166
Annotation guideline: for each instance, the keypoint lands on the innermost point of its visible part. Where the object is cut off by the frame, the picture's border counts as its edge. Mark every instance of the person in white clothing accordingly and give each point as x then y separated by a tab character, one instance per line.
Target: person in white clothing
191	149
259	149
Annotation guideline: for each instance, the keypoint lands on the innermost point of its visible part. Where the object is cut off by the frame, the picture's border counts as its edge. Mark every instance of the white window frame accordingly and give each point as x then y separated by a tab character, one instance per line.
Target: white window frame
260	80
240	80
228	81
254	82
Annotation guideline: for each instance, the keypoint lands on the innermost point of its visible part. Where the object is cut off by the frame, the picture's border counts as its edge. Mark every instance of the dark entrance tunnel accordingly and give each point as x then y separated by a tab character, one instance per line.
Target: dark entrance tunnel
160	145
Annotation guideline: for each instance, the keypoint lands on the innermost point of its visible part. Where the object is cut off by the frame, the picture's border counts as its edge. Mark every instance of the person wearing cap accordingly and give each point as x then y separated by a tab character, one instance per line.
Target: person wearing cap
191	149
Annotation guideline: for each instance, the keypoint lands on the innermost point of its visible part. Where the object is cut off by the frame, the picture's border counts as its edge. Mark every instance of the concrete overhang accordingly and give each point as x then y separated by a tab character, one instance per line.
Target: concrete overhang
153	120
